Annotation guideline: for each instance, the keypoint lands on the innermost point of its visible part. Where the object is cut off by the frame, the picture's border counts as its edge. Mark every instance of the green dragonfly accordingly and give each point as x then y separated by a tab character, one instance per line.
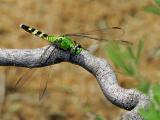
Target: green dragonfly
63	42
66	42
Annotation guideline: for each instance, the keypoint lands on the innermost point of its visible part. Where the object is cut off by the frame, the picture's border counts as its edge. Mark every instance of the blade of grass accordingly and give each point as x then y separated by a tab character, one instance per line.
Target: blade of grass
157	1
156	91
121	58
152	9
139	51
113	52
130	52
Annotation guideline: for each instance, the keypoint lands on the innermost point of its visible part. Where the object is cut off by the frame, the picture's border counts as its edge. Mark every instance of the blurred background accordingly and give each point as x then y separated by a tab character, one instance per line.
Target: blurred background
73	93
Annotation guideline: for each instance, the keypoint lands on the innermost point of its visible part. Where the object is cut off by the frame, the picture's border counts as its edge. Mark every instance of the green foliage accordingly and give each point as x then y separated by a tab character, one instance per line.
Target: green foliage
125	58
152	113
143	86
153	9
99	117
139	51
157	1
156	93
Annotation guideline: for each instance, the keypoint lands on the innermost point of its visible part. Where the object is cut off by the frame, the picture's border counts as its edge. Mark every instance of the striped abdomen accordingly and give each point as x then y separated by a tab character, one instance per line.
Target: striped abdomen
34	31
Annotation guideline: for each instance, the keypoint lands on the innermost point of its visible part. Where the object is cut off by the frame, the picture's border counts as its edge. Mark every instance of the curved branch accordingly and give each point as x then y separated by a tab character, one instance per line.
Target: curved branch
129	99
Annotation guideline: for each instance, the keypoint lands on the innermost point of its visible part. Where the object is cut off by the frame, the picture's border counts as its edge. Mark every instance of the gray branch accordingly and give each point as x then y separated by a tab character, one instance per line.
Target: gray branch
129	99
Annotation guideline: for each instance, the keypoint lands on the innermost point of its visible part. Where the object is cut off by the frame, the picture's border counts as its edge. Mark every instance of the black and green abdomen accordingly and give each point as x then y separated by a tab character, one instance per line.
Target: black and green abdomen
34	31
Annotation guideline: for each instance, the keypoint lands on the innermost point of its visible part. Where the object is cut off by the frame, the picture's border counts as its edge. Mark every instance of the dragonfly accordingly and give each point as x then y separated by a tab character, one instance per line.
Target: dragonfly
65	42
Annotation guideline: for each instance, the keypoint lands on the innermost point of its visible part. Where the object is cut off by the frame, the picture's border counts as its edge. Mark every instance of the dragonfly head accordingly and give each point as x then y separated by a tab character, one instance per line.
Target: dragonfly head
76	49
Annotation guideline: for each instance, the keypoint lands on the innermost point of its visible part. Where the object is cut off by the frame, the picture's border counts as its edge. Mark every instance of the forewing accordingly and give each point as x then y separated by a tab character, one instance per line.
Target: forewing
104	34
107	33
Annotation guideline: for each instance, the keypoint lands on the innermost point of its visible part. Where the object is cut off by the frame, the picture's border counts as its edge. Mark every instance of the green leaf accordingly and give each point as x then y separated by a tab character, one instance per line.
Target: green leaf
99	117
157	1
130	69
130	52
144	86
156	91
122	58
152	9
114	54
150	114
139	51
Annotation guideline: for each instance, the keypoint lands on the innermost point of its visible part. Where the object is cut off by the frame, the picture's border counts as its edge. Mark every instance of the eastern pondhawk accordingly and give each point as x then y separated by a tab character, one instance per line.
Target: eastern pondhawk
66	42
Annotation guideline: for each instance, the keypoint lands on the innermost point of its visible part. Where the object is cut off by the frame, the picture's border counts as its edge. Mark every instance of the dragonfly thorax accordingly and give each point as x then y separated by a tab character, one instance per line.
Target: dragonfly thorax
66	43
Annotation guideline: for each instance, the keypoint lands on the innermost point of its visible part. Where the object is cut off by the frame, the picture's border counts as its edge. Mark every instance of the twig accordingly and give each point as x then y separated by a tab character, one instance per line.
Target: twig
129	99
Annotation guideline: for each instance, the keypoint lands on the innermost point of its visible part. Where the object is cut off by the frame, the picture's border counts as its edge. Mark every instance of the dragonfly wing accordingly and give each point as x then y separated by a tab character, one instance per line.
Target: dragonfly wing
44	82
104	34
23	79
43	88
107	33
101	39
29	73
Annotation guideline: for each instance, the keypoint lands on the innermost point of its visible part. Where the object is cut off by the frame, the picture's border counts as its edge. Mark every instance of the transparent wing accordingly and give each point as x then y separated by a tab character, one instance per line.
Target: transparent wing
104	34
29	73
23	79
113	31
44	83
101	39
43	88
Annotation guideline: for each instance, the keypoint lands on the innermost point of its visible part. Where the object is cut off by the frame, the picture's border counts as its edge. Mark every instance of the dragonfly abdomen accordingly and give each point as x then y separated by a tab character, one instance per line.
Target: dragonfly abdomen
34	31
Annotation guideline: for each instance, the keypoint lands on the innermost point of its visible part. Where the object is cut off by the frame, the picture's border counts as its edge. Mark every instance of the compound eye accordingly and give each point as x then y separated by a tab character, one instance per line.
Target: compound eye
60	39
